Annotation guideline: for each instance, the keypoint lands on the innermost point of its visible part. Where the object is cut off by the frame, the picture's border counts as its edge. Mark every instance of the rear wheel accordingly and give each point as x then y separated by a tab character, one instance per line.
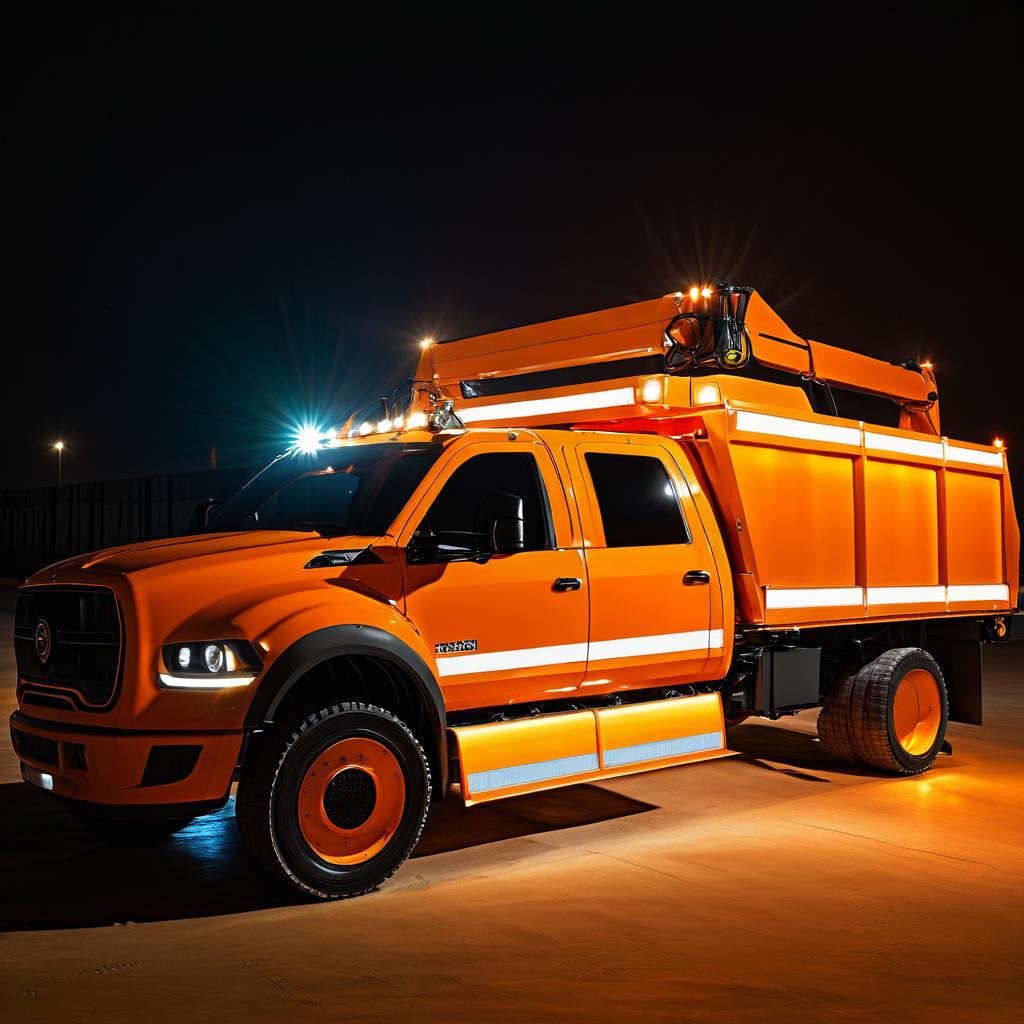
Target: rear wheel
834	720
899	711
333	802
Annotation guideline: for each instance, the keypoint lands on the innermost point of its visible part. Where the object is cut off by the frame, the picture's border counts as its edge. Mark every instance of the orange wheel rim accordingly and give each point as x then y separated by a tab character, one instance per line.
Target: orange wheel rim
917	711
351	801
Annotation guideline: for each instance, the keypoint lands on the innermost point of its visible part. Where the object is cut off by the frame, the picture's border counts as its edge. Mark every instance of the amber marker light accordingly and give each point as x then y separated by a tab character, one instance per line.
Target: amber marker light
998	443
651	391
708	394
694	293
705	293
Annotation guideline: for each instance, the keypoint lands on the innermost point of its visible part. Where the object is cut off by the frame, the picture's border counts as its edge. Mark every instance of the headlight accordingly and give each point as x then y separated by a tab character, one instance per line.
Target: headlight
209	665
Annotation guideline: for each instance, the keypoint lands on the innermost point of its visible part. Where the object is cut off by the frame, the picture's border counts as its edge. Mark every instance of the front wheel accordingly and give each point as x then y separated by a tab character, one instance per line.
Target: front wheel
334	801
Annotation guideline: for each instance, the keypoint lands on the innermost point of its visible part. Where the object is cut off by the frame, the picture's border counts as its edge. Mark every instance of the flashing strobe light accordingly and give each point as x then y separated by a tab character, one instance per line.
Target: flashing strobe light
426	342
308	439
384	426
998	443
705	293
417	420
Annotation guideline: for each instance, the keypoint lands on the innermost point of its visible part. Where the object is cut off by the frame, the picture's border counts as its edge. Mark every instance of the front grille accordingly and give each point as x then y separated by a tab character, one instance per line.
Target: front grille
70	639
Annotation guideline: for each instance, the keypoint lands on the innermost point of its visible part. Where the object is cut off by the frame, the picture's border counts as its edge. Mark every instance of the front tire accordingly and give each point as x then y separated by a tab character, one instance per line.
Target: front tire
334	801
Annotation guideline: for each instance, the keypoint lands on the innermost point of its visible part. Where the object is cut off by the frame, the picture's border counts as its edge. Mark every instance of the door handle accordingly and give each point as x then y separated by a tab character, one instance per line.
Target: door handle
567	583
696	578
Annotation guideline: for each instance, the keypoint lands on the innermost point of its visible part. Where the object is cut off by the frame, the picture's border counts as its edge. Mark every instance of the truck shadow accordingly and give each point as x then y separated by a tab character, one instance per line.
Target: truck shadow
57	874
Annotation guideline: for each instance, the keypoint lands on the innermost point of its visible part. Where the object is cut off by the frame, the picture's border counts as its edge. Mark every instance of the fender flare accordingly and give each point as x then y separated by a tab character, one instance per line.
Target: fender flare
330	642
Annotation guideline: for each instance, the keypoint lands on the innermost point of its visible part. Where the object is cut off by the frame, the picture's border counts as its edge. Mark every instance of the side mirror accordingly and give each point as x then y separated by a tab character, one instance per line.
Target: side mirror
205	513
506	516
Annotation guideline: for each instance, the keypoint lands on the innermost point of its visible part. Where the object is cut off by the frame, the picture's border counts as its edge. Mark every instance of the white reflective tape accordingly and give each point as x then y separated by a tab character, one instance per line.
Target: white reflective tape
665	643
906	595
564	654
973	457
525	774
546	406
903	445
497	661
980	592
654	751
782	426
816	597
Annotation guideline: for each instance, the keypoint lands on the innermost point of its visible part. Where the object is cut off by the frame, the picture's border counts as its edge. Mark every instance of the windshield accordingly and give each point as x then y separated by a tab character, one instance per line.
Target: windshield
334	491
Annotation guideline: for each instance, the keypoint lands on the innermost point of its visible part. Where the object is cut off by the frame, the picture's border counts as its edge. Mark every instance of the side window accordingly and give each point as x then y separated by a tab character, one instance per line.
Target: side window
465	504
637	500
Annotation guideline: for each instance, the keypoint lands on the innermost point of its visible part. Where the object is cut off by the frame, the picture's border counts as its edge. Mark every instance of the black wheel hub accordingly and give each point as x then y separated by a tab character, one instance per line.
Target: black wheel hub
350	798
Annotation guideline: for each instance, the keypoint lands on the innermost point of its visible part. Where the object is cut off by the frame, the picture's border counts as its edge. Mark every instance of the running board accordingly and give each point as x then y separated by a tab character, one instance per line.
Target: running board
502	759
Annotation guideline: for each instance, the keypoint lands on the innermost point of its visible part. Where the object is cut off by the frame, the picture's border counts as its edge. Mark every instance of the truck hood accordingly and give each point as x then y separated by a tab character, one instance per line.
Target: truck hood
217	546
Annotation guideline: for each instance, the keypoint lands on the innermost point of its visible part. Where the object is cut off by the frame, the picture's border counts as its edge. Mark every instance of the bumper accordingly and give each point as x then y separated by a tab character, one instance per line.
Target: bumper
121	768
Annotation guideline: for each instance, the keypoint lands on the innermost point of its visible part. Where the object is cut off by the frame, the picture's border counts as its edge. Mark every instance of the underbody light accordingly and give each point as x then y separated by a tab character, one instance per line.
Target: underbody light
547	406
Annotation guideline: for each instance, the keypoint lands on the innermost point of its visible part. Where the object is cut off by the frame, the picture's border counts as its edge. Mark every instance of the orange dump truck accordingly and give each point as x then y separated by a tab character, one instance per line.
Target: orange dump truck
584	548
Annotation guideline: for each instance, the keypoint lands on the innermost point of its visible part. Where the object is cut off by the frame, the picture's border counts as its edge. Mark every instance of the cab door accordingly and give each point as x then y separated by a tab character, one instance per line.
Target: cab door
508	628
653	581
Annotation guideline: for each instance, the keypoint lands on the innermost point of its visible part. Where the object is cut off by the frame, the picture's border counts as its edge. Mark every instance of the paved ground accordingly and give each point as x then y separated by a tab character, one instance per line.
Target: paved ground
772	886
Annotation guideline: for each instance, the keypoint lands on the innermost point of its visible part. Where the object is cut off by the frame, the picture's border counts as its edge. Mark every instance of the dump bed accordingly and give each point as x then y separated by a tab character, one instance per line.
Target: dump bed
830	520
827	520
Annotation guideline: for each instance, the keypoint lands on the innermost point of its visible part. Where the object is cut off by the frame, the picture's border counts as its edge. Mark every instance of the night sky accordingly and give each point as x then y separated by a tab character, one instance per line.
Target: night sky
223	230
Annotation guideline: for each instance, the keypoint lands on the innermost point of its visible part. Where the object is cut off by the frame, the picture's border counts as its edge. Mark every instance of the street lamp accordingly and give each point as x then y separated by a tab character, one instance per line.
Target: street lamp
59	449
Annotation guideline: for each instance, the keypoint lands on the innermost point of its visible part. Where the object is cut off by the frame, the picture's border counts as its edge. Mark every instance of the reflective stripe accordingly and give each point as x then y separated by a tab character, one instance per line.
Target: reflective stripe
815	597
973	456
538	771
905	595
980	592
665	643
662	748
903	445
496	661
782	426
564	654
545	406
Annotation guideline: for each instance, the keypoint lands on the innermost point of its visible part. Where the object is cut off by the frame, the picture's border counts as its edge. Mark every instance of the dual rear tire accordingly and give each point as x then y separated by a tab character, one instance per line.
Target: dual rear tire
891	714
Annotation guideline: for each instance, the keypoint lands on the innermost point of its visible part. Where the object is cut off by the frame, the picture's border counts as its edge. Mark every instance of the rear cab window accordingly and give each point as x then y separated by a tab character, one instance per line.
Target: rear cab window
636	500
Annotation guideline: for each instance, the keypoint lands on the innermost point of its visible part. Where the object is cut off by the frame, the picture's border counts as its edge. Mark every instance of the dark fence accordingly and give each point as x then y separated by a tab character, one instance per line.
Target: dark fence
45	524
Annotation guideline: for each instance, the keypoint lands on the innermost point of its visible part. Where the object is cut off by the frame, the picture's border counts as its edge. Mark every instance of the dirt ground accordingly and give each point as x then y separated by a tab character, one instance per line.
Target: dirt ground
771	886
